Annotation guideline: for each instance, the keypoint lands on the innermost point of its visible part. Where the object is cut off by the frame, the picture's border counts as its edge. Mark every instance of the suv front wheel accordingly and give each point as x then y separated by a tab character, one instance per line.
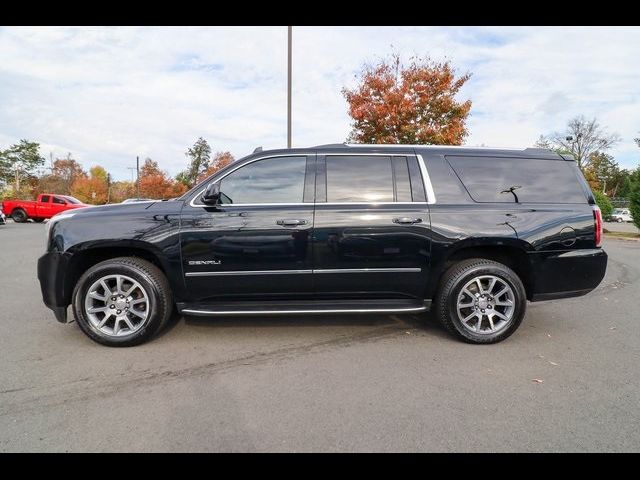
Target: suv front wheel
481	301
122	302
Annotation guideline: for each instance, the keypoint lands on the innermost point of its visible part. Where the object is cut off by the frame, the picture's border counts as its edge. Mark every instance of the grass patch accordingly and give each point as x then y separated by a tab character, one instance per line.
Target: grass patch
622	234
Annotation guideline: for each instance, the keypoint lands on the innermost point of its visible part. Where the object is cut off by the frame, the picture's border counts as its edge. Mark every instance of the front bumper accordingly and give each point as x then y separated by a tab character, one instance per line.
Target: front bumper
52	267
566	274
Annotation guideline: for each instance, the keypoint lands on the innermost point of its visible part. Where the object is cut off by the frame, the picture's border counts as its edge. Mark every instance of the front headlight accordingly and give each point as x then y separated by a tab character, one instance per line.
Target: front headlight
52	221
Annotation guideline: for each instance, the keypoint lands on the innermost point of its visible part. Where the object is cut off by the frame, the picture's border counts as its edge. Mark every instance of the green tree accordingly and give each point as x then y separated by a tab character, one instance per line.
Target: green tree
581	138
199	158
634	203
19	162
606	207
604	174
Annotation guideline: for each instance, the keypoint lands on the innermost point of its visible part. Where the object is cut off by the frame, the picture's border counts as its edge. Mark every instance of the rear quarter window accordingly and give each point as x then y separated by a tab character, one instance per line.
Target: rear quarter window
533	180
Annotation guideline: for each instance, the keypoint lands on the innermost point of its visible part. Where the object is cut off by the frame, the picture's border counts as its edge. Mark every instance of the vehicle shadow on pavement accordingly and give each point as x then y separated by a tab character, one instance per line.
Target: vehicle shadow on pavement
424	322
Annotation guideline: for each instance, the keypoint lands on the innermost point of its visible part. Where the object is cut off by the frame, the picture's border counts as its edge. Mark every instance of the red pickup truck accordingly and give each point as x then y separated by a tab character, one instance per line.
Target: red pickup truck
46	206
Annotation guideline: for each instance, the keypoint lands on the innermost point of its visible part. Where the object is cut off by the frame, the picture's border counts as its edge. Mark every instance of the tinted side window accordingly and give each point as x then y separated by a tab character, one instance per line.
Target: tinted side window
45	199
272	180
363	179
58	200
532	180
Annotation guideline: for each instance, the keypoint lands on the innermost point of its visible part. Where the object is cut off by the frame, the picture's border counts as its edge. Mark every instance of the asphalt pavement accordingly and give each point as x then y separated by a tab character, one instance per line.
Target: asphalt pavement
567	380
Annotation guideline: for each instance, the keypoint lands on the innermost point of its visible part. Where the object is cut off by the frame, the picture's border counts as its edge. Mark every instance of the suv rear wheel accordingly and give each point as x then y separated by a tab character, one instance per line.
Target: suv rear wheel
481	301
122	302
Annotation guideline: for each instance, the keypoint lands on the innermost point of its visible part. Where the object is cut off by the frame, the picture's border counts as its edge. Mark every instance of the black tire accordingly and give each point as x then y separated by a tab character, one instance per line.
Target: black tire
150	278
451	285
38	220
619	220
19	215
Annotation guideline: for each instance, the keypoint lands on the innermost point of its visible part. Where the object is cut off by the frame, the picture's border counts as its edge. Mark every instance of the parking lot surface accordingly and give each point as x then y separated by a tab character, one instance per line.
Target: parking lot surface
567	380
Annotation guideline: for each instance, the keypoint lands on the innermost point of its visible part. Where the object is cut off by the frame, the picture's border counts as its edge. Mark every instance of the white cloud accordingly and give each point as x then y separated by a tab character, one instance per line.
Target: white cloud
109	94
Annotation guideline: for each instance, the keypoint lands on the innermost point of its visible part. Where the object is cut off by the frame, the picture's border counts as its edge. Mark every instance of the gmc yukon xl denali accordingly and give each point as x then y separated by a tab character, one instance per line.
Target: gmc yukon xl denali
470	233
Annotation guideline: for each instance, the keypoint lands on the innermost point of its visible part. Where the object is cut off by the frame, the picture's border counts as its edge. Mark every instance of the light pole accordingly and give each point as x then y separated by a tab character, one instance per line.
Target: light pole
289	35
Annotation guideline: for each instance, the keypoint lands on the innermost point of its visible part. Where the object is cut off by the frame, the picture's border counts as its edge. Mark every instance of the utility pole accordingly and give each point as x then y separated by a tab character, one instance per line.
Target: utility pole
137	176
289	35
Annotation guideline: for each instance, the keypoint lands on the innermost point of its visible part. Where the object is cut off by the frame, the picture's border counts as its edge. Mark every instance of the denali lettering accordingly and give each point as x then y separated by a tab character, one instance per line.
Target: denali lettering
205	262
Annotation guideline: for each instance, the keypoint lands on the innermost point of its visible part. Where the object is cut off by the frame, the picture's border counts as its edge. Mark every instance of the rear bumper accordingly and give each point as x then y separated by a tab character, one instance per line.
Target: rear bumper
566	274
52	268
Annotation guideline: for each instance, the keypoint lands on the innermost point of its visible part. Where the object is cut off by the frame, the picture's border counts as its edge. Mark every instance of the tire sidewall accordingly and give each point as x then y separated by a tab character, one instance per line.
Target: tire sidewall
19	216
519	307
155	305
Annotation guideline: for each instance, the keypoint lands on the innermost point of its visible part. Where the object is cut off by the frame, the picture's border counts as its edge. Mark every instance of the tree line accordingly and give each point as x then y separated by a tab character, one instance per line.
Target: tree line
22	175
393	101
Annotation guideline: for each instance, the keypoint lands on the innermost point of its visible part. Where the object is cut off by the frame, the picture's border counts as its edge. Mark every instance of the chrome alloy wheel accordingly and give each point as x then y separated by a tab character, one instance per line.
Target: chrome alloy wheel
116	305
486	305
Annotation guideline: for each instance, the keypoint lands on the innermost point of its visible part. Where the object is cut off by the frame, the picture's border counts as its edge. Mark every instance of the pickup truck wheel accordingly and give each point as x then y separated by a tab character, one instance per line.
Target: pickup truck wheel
481	301
122	302
19	215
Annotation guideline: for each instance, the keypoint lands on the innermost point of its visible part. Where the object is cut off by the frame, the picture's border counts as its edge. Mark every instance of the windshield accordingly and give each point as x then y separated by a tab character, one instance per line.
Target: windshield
71	199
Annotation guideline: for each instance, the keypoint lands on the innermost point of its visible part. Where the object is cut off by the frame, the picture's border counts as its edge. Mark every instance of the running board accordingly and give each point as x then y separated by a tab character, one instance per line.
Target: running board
304	308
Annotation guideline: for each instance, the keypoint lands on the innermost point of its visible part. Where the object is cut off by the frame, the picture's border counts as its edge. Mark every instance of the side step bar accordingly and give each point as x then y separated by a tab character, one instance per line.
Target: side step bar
307	308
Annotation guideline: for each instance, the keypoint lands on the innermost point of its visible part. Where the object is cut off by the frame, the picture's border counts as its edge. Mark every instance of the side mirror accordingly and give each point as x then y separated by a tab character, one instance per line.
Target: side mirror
211	195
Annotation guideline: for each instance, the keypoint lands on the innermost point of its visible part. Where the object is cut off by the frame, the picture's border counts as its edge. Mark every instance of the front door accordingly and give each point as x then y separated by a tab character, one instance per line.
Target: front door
256	244
44	207
372	227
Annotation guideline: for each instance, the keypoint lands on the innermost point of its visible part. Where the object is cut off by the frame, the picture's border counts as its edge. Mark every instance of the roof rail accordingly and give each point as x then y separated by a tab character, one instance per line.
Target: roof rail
417	145
330	145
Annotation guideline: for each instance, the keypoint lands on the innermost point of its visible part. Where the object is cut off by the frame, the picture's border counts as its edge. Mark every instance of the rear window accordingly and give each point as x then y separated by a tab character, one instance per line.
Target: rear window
531	180
44	199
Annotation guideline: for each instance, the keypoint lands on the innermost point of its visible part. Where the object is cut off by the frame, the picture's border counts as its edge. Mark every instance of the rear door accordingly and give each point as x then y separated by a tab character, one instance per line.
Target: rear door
256	244
372	226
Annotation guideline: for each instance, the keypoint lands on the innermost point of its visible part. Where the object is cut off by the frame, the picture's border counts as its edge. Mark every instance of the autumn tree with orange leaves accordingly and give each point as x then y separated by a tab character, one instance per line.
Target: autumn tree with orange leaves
219	161
93	189
157	184
413	104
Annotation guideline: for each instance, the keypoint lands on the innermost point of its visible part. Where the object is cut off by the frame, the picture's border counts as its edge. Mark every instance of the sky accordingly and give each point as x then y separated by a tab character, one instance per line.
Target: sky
107	94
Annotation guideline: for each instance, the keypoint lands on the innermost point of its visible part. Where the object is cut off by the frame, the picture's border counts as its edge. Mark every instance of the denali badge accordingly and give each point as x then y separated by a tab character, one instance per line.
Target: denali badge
205	262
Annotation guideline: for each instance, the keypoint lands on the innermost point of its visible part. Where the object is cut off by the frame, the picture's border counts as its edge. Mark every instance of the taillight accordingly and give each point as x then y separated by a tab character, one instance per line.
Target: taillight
597	220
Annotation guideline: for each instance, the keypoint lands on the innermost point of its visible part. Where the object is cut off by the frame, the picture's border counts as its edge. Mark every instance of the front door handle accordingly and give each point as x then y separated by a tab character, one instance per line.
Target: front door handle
407	220
291	222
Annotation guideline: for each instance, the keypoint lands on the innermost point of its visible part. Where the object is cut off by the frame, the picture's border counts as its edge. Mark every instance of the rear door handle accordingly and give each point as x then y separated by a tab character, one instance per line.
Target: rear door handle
291	222
407	220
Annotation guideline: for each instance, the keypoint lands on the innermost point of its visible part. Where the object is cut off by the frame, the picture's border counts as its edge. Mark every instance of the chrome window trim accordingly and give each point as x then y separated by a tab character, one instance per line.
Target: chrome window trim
280	312
303	272
426	180
371	203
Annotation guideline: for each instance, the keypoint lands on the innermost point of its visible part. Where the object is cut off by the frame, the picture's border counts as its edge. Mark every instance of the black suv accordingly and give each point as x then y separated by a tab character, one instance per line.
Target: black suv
471	232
